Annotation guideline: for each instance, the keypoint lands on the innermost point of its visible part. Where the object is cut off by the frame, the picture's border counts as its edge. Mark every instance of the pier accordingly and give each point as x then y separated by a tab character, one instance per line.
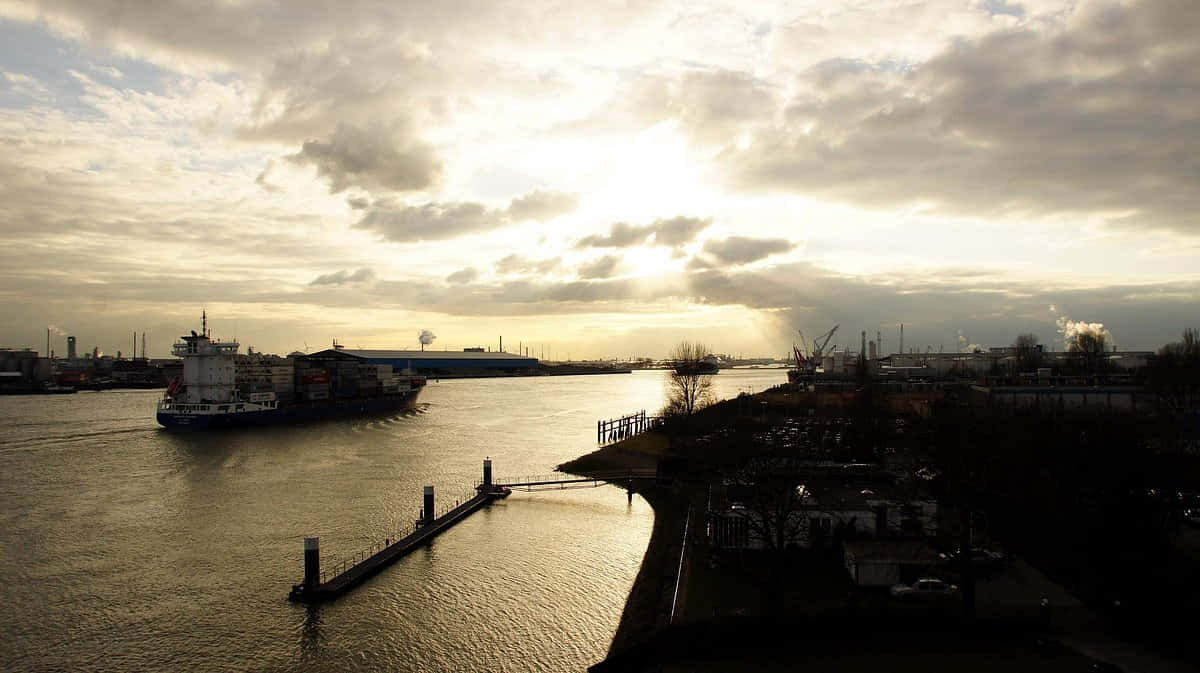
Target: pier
555	482
616	429
321	585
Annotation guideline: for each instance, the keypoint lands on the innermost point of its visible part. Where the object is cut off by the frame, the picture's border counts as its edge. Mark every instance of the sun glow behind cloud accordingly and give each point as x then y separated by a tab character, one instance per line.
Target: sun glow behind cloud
169	167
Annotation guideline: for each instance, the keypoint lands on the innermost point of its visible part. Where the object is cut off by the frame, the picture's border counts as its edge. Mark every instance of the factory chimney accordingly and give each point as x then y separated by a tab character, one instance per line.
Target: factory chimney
862	350
902	338
71	348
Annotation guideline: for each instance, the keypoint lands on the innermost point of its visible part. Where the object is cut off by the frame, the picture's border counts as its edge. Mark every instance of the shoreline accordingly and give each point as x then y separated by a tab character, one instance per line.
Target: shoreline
647	609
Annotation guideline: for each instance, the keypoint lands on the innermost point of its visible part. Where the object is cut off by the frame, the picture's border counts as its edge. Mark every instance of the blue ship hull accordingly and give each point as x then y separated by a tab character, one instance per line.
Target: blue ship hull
298	413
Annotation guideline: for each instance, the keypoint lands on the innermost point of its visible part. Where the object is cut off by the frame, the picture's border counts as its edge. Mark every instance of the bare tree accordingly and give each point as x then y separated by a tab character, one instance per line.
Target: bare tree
1089	348
688	388
778	509
1174	373
1029	354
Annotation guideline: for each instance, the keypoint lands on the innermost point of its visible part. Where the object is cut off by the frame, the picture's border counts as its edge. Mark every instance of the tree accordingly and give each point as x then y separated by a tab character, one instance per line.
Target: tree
1089	348
1029	353
1174	372
688	389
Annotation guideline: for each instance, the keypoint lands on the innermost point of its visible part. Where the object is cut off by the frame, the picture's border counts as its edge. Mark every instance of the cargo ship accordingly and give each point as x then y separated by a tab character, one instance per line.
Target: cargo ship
221	389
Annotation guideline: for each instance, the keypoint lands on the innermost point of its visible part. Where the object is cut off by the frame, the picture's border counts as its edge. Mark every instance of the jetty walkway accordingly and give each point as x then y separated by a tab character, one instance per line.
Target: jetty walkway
321	585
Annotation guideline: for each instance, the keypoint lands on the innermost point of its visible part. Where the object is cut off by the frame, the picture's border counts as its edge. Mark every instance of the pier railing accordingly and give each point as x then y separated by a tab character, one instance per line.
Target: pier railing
343	575
616	429
564	480
341	566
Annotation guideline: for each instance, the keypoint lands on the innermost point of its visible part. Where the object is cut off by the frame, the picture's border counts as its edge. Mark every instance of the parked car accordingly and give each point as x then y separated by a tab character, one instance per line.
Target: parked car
924	588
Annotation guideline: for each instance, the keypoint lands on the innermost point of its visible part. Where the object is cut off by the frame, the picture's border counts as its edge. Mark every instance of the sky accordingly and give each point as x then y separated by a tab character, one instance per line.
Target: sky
598	179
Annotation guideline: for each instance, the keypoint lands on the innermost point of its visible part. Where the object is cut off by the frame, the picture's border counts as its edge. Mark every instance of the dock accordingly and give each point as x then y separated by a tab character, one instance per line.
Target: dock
617	429
327	585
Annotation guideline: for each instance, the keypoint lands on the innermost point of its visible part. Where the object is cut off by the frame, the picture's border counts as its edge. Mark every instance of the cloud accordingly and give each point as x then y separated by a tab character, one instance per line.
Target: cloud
672	232
743	250
600	268
363	275
375	157
1096	113
542	205
402	223
462	276
397	221
515	263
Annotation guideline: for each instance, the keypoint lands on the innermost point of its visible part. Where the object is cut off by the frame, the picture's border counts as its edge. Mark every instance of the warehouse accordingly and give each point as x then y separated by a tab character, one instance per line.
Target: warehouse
442	363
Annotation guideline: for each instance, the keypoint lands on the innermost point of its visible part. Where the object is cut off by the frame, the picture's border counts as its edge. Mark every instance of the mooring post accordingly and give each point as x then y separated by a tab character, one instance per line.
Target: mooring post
428	504
629	491
487	473
312	562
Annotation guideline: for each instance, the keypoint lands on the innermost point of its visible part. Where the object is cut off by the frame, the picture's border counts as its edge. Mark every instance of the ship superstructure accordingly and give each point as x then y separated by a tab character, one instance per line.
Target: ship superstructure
212	392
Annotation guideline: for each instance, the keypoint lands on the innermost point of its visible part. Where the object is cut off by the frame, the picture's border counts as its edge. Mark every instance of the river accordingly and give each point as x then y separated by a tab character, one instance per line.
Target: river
125	547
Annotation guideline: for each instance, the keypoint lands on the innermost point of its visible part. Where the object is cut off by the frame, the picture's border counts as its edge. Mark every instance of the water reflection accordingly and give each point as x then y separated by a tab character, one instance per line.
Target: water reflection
161	529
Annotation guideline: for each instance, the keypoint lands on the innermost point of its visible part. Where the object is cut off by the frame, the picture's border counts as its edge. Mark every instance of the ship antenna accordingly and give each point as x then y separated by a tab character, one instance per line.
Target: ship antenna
204	322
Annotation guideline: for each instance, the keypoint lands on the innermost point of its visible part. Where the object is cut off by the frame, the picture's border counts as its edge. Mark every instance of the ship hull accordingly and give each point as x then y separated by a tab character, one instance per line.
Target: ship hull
298	413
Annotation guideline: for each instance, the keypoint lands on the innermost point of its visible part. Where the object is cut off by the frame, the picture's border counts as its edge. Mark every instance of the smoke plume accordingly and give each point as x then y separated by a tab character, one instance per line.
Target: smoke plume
1071	329
56	330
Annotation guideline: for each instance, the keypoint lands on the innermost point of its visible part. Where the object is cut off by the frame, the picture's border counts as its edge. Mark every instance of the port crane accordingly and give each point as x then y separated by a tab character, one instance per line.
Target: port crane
821	342
810	362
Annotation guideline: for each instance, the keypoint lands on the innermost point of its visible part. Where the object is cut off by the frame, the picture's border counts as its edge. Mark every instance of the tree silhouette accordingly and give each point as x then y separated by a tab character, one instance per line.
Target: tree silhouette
687	389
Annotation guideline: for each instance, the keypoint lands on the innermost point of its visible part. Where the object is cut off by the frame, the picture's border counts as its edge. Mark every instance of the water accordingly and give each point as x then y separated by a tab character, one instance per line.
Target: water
124	547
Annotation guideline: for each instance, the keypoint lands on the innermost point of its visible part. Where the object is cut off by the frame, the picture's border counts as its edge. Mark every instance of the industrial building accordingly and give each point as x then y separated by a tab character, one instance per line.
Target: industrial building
442	363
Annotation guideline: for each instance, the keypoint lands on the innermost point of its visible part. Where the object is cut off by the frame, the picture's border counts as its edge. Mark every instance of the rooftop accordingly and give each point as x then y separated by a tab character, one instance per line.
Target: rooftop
431	355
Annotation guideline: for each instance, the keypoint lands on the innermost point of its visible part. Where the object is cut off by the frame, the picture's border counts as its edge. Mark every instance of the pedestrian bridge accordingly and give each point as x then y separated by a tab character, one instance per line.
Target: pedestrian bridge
558	482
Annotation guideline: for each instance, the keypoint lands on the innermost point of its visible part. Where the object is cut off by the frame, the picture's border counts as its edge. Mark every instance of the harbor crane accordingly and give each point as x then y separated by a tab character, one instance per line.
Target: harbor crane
821	342
813	359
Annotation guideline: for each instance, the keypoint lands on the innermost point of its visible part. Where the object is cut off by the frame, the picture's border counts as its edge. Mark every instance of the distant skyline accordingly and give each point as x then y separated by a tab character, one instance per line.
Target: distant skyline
601	178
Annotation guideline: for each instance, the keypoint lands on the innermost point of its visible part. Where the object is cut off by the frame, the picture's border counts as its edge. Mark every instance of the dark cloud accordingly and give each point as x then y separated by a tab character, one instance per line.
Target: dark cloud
375	157
363	275
358	202
672	232
402	223
1101	116
397	221
462	276
600	268
743	250
542	205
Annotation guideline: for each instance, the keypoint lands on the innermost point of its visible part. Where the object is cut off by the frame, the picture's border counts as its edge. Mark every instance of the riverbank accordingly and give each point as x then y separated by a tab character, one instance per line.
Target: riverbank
648	608
718	608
